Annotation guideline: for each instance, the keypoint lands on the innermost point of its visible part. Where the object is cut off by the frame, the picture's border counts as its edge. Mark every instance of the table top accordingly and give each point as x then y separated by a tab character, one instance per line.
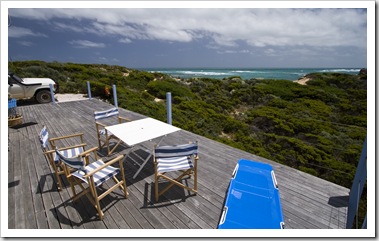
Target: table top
138	131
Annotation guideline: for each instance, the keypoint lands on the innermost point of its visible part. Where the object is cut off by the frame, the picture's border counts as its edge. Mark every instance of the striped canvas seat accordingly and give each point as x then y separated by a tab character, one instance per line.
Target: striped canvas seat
174	163
182	158
93	174
48	145
44	138
105	113
103	136
99	177
69	153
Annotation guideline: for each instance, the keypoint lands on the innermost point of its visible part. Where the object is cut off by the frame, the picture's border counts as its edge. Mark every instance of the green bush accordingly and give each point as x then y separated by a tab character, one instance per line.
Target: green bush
159	88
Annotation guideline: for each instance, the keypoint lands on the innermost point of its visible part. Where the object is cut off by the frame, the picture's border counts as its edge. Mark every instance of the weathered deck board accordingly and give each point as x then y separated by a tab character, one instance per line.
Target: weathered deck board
35	203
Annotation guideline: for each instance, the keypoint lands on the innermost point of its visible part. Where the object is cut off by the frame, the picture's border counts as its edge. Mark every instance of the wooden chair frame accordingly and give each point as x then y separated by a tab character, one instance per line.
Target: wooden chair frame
50	156
100	127
90	191
176	181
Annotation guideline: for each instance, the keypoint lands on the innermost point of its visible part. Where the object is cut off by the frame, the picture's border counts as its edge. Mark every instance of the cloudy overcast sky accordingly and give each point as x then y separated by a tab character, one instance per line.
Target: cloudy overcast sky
191	37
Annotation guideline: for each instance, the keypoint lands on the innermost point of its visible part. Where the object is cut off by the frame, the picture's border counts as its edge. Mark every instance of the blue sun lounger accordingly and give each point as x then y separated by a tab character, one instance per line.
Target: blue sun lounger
252	200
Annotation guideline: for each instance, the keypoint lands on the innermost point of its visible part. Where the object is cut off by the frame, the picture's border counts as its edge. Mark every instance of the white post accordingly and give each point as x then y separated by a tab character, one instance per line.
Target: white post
52	93
115	96
89	90
169	111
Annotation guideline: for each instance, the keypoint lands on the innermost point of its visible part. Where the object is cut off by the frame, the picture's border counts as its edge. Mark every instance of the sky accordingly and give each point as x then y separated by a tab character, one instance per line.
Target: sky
247	37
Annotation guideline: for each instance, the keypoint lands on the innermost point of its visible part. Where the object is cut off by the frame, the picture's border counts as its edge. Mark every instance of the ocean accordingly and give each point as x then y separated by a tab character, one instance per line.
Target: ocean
246	74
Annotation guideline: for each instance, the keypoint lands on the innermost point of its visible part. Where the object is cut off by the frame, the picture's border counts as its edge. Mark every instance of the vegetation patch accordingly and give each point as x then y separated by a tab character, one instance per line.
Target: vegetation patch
318	128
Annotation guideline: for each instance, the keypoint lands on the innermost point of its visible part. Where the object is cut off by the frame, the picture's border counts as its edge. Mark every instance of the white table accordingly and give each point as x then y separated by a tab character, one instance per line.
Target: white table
138	131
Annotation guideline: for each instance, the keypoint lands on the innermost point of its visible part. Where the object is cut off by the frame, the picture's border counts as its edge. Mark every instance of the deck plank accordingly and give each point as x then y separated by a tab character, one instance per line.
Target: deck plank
34	202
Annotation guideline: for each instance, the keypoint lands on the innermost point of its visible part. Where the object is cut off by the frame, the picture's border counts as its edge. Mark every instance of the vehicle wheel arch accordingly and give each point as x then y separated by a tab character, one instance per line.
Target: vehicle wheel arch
43	96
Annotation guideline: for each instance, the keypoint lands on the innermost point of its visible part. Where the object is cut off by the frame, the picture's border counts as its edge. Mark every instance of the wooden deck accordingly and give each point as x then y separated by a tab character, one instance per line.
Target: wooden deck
34	202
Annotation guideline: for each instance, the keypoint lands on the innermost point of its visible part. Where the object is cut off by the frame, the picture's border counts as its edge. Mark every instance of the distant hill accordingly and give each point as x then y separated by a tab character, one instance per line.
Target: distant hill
318	128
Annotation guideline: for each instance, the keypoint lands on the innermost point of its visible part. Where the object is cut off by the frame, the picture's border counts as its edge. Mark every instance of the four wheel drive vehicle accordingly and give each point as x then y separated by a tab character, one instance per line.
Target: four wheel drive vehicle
26	88
252	200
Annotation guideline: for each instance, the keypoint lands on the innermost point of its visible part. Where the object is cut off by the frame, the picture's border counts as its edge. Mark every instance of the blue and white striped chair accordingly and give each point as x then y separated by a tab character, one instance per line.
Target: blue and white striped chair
48	146
94	175
103	135
178	158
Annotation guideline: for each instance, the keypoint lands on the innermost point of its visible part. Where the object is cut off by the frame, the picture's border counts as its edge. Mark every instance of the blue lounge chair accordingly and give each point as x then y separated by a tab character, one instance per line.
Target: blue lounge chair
252	200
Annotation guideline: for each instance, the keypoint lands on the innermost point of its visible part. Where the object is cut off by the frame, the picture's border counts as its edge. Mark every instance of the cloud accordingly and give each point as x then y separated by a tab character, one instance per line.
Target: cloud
107	60
18	32
125	40
86	44
243	51
25	43
223	27
270	52
67	27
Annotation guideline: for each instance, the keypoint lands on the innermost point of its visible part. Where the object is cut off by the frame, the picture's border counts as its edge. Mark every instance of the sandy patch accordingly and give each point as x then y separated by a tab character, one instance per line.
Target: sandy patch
69	97
302	81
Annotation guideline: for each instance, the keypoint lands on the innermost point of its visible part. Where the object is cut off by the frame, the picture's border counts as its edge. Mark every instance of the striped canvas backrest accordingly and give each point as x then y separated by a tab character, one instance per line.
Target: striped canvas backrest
105	113
178	150
44	137
74	162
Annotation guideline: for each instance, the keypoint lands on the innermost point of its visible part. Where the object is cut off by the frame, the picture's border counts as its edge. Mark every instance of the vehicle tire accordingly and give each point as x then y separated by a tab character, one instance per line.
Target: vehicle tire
43	96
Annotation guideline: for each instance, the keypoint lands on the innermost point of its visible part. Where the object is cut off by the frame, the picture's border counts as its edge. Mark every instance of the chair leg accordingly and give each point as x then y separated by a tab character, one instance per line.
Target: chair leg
107	144
176	182
98	139
195	173
59	181
57	175
96	200
122	185
72	185
195	180
125	190
123	178
84	191
172	183
156	188
114	148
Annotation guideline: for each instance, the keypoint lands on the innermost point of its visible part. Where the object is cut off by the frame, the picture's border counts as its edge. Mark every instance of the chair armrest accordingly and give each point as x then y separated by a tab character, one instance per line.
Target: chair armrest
123	118
65	137
100	124
119	158
85	153
66	148
72	147
52	140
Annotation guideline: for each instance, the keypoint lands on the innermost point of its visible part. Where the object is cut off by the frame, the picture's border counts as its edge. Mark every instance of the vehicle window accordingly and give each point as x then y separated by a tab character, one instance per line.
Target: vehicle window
11	81
14	79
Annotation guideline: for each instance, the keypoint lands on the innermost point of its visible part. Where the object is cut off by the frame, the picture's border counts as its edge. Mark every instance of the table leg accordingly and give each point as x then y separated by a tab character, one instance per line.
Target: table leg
114	148
146	160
